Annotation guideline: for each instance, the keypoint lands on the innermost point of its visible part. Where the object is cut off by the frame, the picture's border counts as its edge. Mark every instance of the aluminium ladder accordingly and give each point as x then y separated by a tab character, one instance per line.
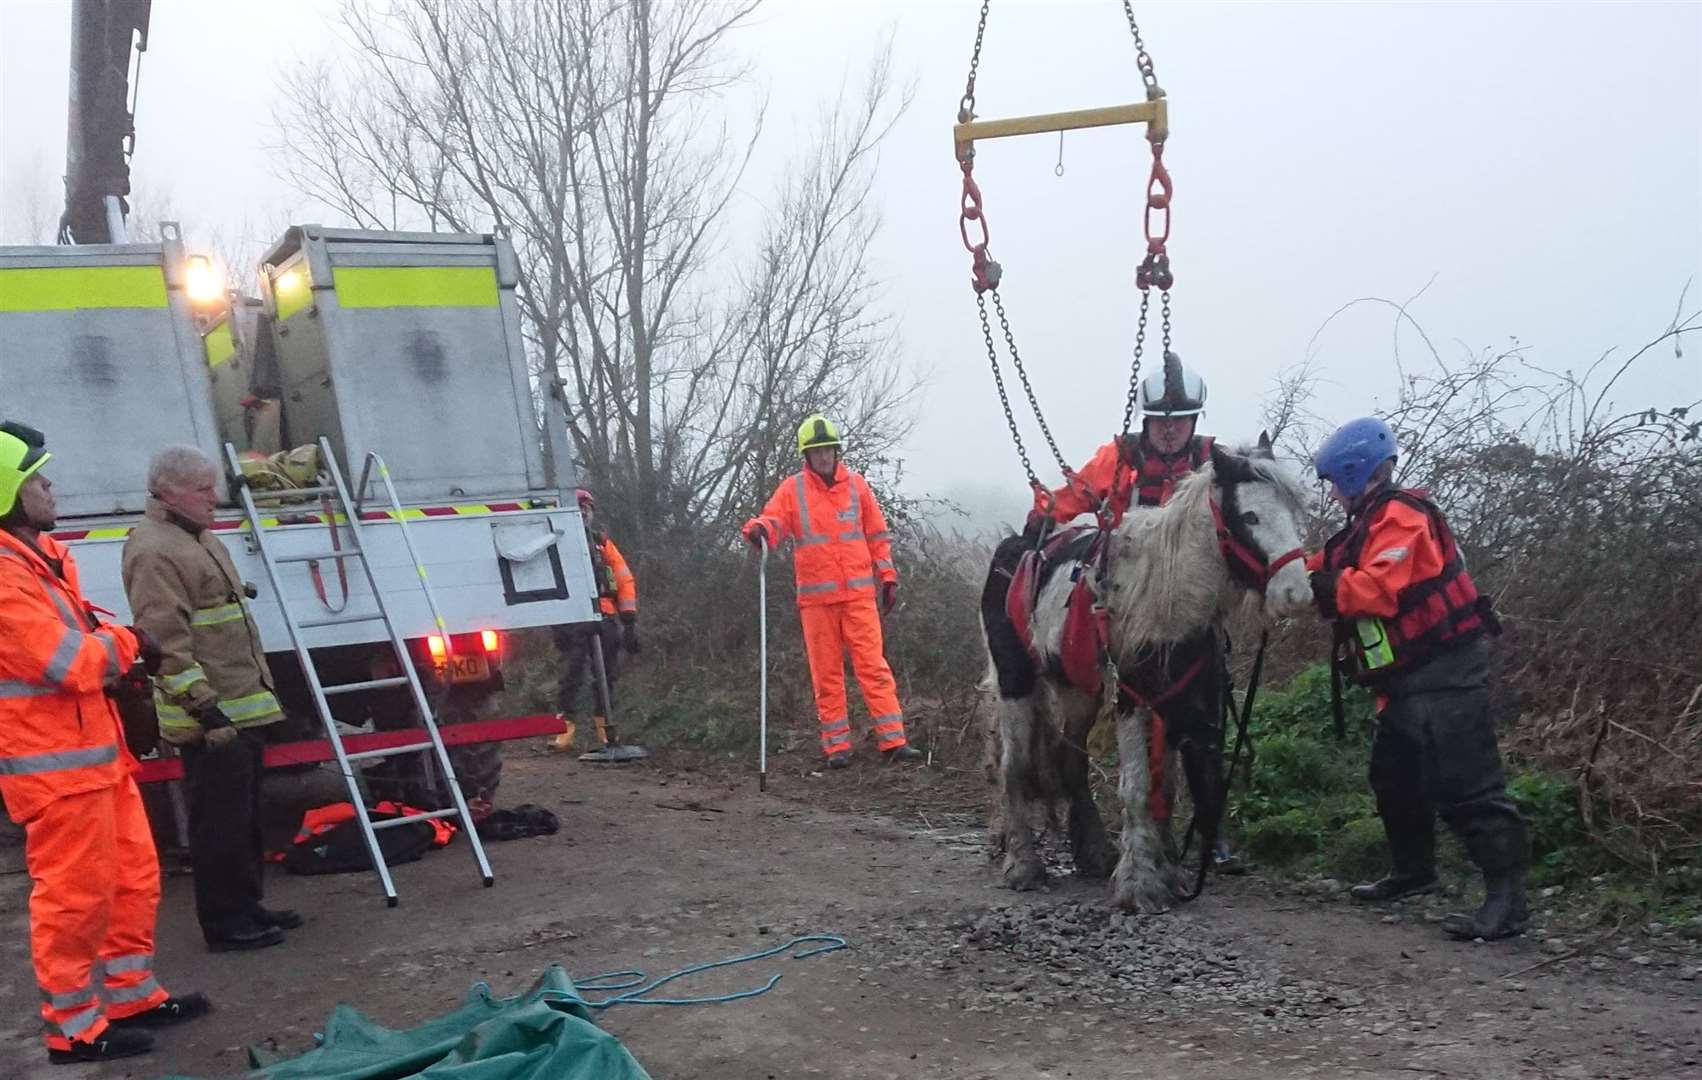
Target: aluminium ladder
350	512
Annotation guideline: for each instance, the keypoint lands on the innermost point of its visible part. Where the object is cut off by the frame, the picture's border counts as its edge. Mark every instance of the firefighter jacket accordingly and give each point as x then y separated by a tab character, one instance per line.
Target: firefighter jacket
1125	470
59	733
184	590
617	589
842	548
1401	584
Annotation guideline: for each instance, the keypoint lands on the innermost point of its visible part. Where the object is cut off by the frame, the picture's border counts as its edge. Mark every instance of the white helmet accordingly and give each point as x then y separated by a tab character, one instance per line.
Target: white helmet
1175	391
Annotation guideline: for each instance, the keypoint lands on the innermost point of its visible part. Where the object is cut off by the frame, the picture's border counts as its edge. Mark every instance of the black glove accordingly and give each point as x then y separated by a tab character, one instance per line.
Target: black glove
629	638
1324	593
147	650
133	685
889	597
217	729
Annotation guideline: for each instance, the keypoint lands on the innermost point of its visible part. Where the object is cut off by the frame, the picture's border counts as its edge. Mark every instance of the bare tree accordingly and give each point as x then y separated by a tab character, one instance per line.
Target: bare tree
593	133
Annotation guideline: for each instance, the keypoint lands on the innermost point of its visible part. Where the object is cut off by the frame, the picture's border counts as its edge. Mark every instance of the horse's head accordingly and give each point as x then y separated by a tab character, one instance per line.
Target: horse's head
1259	508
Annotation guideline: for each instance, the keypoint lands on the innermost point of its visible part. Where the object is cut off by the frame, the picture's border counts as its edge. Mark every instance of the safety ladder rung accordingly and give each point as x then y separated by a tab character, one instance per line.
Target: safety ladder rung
318	556
388	751
391	823
340	620
369	684
266	498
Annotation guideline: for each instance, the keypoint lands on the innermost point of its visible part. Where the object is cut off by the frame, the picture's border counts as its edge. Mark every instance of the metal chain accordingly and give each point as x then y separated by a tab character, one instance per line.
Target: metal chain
966	107
1028	390
1135	367
1142	59
1165	324
1004	398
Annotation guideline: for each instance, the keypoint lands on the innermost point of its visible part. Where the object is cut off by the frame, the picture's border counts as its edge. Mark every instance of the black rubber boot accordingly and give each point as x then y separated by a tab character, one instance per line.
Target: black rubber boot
112	1044
173	1010
841	760
1503	914
1394	886
283	919
902	753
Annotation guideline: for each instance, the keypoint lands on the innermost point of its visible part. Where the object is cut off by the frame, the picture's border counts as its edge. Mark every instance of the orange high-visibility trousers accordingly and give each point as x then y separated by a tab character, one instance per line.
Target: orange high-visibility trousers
831	631
97	888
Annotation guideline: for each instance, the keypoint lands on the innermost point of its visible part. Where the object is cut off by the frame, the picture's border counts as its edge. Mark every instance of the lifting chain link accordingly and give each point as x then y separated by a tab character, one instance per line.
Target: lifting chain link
966	107
1142	59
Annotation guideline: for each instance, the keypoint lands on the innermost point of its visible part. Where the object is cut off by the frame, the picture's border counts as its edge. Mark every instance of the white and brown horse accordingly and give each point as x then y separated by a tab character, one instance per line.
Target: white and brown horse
1143	636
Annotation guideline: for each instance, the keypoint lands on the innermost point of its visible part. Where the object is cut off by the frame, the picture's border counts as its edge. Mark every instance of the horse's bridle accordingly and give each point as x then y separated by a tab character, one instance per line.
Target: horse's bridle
1244	563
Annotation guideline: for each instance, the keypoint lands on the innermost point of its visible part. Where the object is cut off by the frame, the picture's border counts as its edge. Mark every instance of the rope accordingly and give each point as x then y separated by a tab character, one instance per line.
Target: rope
635	982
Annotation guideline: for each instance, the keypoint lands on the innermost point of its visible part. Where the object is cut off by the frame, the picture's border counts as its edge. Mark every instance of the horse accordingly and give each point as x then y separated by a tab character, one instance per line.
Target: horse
1142	638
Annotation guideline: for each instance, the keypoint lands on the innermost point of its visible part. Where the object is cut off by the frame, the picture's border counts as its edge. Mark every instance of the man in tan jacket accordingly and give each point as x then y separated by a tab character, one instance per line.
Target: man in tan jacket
212	691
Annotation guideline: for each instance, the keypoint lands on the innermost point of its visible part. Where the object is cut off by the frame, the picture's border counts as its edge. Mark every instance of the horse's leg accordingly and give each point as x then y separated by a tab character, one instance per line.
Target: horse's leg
1018	718
1019	714
1139	883
1087	830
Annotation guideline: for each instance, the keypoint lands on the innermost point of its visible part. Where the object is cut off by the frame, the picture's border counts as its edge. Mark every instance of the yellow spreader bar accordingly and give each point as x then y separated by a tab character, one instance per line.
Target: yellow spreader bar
1153	113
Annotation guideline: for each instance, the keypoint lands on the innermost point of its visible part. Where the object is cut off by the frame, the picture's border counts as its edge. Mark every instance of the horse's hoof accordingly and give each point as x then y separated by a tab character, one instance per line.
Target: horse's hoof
1025	877
1151	899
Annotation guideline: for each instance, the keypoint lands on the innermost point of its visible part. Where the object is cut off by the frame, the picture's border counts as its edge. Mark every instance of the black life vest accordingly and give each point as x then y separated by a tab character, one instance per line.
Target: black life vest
1431	617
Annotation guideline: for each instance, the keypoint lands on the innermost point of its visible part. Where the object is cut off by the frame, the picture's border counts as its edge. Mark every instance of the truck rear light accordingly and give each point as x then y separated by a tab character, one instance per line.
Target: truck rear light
491	640
438	649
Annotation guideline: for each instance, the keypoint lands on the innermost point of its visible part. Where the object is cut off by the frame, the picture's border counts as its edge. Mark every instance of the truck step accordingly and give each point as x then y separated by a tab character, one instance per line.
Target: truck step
369	684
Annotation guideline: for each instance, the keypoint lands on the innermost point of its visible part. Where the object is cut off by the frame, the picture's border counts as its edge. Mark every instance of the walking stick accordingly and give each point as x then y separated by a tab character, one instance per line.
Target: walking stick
762	711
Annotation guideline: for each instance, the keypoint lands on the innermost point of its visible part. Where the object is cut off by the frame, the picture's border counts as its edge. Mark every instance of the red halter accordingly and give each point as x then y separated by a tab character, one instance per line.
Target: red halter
1241	557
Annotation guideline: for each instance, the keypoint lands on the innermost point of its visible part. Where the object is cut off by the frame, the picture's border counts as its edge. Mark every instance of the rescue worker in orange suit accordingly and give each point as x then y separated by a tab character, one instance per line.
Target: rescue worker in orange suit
842	560
213	693
1412	626
65	776
617	598
1143	470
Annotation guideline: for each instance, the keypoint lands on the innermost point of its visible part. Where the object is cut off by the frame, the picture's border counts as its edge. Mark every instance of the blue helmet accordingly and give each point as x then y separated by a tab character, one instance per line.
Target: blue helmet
1349	457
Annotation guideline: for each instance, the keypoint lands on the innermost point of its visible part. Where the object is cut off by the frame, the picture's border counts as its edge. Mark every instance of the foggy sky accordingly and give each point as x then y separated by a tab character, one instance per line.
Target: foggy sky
1542	162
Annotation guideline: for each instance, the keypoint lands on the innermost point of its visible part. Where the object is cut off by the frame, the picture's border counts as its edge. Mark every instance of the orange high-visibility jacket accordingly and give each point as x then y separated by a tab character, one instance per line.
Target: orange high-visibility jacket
617	589
841	546
1400	551
59	732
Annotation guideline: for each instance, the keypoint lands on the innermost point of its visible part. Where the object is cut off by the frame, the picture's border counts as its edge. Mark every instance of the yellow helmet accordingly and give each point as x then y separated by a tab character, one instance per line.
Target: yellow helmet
816	431
21	455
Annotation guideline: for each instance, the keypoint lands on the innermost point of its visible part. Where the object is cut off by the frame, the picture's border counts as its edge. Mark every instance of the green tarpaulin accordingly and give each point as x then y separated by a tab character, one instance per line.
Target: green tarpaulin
539	1035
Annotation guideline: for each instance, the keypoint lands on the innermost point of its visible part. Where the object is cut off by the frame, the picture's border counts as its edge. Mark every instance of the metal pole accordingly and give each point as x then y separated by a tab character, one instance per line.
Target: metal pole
762	713
115	221
603	683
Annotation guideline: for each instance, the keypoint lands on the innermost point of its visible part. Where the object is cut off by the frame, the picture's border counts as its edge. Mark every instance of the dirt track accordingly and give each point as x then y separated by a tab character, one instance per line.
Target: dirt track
949	976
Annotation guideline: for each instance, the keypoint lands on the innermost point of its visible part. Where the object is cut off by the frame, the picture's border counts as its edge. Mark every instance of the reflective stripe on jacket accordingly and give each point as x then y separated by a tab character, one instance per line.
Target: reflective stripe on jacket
1125	472
1402	584
185	591
841	546
59	732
